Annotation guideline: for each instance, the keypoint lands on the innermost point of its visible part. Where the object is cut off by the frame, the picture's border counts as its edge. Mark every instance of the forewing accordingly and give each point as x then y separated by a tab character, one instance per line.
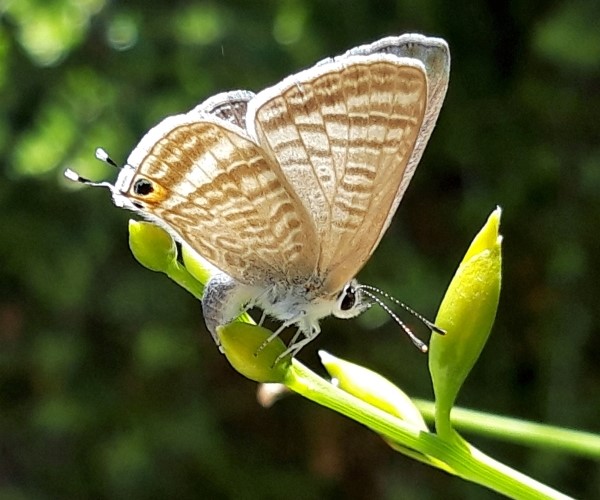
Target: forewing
213	188
343	133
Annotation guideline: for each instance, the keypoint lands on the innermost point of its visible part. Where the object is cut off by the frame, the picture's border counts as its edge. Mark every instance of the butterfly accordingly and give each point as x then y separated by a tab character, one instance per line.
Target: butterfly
288	192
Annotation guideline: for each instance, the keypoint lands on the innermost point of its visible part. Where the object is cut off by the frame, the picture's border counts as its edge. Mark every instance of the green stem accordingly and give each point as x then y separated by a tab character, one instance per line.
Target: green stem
519	431
180	275
465	460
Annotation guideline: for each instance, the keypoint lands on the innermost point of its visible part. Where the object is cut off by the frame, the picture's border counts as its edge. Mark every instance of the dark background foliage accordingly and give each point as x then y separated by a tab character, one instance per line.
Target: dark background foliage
109	385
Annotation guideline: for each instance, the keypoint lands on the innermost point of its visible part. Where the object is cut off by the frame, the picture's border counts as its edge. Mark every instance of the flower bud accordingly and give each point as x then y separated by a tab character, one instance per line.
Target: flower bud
198	267
151	245
372	388
466	313
244	346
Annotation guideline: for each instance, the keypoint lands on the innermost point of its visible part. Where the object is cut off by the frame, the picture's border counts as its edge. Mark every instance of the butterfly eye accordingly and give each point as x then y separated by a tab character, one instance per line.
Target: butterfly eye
347	299
349	302
143	187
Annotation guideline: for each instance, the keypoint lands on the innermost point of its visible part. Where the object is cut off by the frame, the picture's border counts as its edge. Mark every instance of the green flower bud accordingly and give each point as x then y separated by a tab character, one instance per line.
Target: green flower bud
372	388
466	314
199	268
151	245
244	346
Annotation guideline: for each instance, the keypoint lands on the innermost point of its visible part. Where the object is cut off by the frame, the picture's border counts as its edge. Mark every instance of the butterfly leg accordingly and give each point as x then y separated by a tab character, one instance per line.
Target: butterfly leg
262	318
274	335
295	337
296	345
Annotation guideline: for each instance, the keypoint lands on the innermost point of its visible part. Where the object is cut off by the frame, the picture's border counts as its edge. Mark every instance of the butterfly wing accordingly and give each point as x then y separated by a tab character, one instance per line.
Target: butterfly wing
342	133
212	187
228	106
435	56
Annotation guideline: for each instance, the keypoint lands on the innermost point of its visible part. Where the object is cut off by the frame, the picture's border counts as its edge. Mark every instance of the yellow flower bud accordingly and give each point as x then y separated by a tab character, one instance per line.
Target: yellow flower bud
372	388
199	268
244	346
466	314
151	245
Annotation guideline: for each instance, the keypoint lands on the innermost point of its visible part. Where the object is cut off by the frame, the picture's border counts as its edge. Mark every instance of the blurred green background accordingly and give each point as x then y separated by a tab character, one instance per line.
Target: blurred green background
109	385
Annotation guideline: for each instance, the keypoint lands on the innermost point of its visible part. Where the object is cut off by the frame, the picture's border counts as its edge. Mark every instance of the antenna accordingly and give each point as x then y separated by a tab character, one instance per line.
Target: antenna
415	340
101	155
74	176
425	321
367	290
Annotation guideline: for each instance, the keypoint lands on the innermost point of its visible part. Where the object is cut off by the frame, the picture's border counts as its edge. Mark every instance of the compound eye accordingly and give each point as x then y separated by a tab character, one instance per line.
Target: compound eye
348	298
143	187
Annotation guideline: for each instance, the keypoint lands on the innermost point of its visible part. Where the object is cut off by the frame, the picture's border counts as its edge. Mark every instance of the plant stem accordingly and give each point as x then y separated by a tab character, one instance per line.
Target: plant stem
180	275
519	431
465	460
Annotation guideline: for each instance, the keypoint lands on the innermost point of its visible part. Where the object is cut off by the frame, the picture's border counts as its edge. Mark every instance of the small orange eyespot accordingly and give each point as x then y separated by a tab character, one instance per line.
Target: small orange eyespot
143	187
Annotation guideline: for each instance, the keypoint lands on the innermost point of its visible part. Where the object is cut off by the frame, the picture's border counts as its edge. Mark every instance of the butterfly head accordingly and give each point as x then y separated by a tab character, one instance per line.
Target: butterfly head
131	190
350	302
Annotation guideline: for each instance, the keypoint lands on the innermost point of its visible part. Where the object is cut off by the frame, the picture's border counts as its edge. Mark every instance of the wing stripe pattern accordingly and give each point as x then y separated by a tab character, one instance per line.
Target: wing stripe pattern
223	195
435	56
298	183
342	139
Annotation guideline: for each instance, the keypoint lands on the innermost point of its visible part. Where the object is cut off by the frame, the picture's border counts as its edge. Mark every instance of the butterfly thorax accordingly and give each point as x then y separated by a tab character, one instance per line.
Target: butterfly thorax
299	303
293	303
